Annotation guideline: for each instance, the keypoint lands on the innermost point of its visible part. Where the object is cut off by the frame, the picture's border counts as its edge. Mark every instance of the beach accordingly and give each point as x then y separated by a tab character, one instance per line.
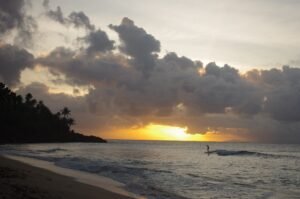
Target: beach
19	180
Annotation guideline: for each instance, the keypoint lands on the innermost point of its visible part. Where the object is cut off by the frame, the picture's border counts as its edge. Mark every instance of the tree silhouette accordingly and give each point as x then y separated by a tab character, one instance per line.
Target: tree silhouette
70	122
65	112
28	97
33	122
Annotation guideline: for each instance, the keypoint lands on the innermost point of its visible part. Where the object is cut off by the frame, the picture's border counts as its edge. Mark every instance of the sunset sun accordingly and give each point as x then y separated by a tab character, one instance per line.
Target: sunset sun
167	132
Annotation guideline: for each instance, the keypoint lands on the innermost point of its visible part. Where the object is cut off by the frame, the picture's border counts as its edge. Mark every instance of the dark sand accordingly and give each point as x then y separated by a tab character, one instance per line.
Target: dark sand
22	181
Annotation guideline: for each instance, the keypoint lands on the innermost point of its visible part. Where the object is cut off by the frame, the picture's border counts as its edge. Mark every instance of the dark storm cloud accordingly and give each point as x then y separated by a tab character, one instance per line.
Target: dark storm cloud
57	15
138	44
282	93
13	61
173	80
82	69
132	94
13	16
26	32
98	41
77	19
220	89
134	87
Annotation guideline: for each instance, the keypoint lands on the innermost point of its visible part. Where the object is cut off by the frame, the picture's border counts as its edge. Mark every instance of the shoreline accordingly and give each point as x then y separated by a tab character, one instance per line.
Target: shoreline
23	177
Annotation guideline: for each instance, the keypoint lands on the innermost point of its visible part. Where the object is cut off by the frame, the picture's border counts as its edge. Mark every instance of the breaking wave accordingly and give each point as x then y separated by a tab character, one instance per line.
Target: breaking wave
51	150
222	152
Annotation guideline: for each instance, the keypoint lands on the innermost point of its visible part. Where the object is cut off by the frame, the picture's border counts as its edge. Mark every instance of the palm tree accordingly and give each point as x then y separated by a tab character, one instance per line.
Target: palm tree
28	97
70	121
19	99
40	104
2	86
65	112
58	114
41	108
23	120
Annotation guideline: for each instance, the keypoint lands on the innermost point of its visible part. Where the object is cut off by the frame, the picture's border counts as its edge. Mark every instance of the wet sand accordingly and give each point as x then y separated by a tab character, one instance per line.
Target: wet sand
19	180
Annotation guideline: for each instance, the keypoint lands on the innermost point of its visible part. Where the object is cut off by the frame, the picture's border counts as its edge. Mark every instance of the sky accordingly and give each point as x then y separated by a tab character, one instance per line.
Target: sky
160	70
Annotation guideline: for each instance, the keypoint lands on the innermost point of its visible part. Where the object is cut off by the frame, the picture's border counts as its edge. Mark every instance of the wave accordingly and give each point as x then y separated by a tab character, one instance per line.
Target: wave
222	152
231	153
51	150
124	174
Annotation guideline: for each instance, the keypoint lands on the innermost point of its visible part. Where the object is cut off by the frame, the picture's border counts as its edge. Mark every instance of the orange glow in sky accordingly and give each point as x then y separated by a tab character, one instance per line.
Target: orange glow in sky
153	132
165	132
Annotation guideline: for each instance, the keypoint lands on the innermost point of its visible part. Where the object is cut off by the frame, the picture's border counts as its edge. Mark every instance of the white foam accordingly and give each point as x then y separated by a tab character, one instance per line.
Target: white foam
80	176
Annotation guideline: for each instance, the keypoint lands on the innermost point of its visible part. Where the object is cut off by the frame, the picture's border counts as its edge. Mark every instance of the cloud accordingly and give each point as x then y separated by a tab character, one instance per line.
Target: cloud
221	89
11	14
138	44
98	41
131	85
14	17
57	15
282	92
26	31
79	19
76	19
46	3
177	90
78	106
82	69
13	61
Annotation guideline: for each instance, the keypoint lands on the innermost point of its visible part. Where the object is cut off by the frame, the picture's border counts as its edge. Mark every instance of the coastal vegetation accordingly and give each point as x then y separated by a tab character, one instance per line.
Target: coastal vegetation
27	120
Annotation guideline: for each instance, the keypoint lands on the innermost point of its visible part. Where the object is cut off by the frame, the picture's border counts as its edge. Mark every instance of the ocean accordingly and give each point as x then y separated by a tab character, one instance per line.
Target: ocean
174	170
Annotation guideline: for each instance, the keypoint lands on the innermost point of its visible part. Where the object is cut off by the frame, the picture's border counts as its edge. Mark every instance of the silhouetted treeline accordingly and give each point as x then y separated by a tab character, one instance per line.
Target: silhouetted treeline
31	121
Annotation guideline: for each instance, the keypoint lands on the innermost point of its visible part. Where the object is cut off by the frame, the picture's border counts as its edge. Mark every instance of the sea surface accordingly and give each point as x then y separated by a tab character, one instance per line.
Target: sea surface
171	170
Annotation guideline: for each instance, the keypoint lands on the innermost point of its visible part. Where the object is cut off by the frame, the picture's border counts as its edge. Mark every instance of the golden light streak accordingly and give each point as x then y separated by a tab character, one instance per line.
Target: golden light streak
170	133
154	132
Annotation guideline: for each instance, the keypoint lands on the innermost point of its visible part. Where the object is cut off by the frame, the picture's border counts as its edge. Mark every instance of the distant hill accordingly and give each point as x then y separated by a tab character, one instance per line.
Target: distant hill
31	121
